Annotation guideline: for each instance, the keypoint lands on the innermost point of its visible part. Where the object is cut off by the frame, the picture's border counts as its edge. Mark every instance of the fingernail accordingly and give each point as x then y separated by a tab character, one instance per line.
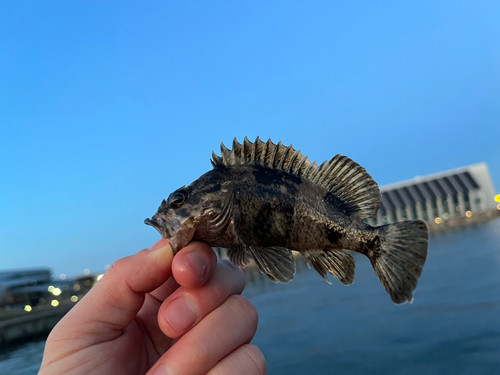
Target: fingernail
181	314
195	263
160	244
163	370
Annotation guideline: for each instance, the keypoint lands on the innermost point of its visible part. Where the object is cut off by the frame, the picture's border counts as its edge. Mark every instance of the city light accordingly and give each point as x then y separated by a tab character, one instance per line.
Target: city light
51	288
468	214
438	220
27	308
55	303
74	298
56	291
497	198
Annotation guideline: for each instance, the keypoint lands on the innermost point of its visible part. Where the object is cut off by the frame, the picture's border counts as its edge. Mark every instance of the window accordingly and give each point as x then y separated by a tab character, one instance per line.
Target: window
467	201
414	211
435	207
446	209
424	211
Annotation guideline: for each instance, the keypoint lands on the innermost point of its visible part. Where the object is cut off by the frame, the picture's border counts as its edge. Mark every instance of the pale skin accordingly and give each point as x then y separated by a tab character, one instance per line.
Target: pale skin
156	314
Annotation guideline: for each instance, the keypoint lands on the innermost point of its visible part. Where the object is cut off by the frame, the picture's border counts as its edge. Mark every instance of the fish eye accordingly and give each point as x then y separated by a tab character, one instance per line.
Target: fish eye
177	198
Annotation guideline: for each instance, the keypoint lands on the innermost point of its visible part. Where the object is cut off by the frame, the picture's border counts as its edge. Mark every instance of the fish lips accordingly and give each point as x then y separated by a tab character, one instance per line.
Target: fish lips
166	230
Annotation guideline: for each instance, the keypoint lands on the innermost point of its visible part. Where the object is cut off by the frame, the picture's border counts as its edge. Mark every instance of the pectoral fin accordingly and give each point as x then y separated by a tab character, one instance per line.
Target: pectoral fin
218	225
276	262
239	255
337	262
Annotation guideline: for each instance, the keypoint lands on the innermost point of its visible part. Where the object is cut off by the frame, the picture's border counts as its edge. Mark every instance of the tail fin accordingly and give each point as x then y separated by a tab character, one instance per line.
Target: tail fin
399	260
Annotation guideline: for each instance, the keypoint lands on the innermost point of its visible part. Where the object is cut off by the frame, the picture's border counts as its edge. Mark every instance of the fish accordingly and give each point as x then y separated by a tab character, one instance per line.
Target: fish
262	200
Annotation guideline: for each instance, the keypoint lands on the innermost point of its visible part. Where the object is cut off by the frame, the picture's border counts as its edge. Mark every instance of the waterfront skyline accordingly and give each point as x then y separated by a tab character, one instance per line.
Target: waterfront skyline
105	109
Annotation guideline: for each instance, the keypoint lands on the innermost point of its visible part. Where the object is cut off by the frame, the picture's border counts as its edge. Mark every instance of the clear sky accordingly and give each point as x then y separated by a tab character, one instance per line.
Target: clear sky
108	106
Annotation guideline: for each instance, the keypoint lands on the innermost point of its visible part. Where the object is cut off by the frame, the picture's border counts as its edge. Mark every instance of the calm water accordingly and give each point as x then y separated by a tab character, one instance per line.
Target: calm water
310	327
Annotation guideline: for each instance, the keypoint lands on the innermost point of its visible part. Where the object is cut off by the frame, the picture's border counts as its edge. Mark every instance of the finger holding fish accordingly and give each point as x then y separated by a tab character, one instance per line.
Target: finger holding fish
194	265
186	307
191	268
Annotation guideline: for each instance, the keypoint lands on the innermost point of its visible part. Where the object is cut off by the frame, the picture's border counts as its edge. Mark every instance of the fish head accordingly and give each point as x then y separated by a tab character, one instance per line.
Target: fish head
189	212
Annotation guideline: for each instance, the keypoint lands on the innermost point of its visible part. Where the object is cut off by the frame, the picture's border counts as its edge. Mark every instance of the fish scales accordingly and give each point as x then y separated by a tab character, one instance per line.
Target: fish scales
263	200
288	212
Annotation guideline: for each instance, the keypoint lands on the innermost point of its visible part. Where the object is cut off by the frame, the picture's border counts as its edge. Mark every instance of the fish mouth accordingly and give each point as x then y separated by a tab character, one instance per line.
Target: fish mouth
165	230
154	224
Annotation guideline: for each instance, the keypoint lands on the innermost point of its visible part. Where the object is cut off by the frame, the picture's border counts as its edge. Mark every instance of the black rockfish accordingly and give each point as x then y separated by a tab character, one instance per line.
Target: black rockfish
262	200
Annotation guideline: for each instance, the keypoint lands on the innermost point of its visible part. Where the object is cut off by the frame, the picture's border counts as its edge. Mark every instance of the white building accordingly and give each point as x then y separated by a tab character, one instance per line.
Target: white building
437	197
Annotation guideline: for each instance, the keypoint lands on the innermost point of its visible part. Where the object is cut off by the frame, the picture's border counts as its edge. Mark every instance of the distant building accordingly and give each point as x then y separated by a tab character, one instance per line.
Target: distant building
438	197
20	279
36	288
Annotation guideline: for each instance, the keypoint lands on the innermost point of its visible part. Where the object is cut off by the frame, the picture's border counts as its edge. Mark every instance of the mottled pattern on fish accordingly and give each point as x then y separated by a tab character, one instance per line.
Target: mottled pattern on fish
262	200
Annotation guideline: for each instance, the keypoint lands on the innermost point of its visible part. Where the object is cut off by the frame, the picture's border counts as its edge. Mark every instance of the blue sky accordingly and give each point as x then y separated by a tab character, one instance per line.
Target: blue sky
106	107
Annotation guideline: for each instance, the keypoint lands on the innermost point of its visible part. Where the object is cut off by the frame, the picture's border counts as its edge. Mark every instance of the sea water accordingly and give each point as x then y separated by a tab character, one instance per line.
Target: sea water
310	327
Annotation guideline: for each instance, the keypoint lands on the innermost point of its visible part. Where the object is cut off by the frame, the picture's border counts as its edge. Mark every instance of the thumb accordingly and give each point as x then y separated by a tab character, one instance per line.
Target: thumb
112	304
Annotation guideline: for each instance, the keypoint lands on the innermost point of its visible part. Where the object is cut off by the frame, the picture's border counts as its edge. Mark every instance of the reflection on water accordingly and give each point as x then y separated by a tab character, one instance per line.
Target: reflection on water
22	360
453	327
310	327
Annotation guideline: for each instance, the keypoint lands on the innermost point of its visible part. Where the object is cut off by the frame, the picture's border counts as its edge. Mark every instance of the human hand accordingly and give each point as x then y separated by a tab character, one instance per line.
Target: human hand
137	320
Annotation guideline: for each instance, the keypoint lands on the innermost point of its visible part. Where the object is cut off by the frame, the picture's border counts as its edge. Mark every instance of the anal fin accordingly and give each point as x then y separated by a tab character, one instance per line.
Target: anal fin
337	262
276	262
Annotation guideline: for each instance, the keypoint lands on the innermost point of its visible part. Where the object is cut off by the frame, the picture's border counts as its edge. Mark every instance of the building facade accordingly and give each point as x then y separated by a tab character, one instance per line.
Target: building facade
438	197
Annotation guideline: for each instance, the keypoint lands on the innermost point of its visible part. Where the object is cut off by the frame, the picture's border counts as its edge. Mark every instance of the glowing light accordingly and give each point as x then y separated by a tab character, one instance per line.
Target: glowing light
86	271
99	277
438	220
62	276
74	298
51	288
27	308
76	287
55	303
446	216
468	214
497	198
56	291
498	206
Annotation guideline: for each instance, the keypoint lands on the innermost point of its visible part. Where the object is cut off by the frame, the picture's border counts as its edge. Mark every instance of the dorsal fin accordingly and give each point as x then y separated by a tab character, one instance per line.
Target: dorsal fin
346	179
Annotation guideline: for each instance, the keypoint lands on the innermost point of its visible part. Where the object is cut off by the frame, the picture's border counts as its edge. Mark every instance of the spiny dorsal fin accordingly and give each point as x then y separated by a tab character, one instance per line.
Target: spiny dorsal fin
347	180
